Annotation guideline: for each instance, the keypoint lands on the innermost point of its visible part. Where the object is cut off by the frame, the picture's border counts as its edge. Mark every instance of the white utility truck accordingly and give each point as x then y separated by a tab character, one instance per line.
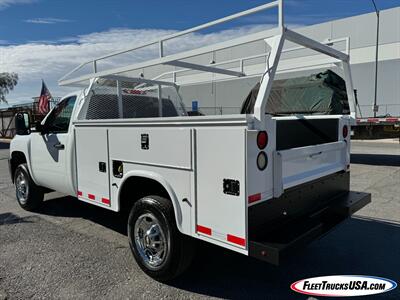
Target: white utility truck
255	183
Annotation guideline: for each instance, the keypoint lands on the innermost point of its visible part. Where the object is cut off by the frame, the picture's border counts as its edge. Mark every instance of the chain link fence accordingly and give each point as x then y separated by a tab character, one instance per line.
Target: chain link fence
7	115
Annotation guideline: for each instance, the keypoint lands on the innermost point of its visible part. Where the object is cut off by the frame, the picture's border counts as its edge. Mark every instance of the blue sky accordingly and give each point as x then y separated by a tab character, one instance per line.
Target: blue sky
22	21
45	38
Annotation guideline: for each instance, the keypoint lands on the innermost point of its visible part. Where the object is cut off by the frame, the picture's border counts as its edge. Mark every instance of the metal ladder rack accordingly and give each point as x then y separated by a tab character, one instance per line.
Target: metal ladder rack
176	59
272	38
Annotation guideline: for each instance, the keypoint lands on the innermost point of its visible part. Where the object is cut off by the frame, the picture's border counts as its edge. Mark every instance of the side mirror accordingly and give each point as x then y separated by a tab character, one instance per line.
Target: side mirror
22	124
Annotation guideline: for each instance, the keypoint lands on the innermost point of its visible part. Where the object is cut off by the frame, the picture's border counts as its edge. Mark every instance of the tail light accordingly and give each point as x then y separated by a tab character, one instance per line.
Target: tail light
262	139
345	131
262	161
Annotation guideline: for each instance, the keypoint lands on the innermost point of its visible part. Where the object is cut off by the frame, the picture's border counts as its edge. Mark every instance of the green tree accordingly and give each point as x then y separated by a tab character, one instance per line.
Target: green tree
7	83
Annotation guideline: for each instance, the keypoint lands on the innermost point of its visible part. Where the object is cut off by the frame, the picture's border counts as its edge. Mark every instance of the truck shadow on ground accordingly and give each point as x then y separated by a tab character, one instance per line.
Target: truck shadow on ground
10	218
358	246
376	159
71	207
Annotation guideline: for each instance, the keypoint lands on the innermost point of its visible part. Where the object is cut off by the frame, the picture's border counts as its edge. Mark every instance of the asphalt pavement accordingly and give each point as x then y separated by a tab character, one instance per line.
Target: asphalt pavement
74	250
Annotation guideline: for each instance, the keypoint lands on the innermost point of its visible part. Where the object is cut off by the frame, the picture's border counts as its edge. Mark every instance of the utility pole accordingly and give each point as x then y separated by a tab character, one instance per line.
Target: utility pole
375	108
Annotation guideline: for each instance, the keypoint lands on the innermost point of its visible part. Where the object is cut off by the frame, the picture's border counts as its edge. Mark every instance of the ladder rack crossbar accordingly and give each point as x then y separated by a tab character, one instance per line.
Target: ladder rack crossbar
211	69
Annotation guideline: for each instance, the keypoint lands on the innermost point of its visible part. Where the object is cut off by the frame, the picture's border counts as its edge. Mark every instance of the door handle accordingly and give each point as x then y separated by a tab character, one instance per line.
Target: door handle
59	146
315	154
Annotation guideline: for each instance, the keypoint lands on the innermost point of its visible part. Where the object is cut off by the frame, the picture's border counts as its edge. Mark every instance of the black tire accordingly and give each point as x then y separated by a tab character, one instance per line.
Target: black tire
33	196
179	250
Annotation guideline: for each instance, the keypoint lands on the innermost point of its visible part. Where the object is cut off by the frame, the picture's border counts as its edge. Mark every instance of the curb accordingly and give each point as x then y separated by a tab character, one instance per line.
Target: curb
385	141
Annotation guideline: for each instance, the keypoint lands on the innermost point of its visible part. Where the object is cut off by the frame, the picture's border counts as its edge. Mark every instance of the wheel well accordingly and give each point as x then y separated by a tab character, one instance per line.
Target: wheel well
17	158
136	187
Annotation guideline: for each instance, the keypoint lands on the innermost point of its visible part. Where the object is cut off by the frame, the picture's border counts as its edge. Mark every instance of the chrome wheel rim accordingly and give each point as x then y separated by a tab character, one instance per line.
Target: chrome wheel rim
21	185
150	241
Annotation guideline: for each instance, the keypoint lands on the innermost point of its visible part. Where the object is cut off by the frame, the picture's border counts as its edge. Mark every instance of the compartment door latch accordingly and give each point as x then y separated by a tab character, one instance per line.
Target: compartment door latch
231	187
102	167
145	141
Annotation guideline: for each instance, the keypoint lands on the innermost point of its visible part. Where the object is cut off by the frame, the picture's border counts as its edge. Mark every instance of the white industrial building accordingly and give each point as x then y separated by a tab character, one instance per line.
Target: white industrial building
359	33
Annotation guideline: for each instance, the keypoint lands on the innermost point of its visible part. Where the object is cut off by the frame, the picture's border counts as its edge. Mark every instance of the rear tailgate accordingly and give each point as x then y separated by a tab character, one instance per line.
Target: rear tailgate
308	148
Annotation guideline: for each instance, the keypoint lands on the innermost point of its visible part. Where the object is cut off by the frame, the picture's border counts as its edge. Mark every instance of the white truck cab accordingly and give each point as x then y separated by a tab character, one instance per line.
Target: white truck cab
51	148
257	183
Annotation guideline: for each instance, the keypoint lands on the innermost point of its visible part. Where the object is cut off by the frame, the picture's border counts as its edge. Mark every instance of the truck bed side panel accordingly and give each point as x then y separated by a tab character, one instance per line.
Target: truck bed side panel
221	185
92	168
166	147
160	154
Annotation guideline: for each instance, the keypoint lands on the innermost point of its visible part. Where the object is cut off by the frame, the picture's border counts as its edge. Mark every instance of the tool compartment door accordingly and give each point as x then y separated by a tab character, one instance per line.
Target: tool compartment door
92	165
221	206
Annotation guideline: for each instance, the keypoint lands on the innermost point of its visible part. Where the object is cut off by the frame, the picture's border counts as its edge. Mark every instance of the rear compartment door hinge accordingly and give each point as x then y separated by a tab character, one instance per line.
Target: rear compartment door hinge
277	177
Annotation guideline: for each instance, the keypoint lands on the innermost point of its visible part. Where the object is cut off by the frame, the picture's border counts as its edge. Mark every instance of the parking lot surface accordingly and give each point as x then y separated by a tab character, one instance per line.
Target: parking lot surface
74	250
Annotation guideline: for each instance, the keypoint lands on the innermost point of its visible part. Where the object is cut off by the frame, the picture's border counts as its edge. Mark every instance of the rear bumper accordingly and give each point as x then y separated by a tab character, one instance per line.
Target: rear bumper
272	246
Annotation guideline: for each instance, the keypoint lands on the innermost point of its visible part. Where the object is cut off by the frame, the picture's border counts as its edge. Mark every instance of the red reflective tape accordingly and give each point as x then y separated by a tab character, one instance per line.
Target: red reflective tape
392	119
105	200
203	229
236	240
91	197
254	198
375	120
79	193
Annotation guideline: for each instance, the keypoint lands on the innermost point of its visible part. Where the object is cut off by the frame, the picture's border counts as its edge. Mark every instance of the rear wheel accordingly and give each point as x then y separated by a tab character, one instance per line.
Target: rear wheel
160	250
29	195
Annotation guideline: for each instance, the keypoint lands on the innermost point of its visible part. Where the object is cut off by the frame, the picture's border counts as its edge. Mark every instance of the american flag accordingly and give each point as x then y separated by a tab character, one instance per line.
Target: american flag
44	100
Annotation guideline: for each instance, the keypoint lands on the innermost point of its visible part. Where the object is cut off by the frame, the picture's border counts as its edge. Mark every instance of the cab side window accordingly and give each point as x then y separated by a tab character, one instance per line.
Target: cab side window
59	119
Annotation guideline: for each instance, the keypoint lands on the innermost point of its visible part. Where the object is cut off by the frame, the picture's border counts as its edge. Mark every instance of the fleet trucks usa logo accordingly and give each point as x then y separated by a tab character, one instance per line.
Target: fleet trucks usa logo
343	285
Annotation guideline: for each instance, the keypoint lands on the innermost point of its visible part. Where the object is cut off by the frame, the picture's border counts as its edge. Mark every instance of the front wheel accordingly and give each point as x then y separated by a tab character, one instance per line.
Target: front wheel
160	250
29	195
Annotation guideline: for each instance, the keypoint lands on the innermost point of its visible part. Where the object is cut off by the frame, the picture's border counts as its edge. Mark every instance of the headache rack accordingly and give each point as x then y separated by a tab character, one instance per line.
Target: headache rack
220	61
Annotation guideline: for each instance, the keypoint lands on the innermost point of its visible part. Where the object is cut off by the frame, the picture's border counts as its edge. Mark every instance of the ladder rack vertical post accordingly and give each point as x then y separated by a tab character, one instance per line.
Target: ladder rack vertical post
161	48
119	94
159	101
276	45
94	66
281	20
349	89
